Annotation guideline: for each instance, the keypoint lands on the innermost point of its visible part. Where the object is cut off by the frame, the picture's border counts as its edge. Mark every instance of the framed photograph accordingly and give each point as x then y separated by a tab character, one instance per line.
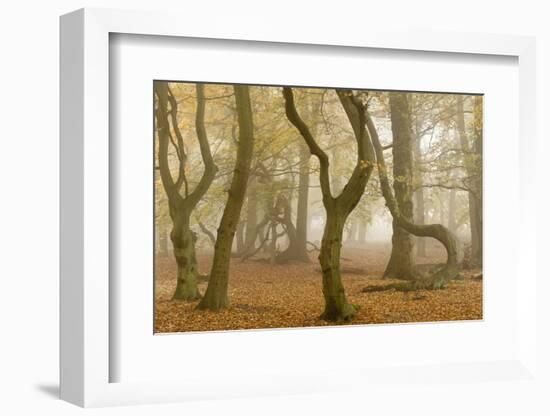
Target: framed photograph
274	212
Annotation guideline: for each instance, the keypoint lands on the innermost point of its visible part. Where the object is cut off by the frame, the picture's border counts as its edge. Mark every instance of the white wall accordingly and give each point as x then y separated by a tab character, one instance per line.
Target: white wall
29	208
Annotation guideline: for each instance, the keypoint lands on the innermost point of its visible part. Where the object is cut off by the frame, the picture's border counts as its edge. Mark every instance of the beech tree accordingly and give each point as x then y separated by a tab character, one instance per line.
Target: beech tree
472	156
401	263
215	297
181	206
251	221
431	119
418	195
300	249
450	271
338	207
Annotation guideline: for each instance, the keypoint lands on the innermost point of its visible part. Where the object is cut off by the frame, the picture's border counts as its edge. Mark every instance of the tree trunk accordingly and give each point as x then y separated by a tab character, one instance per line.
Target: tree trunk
251	216
472	156
207	233
273	244
401	264
477	231
450	271
336	306
183	241
216	297
337	208
294	251
420	219
302	209
477	249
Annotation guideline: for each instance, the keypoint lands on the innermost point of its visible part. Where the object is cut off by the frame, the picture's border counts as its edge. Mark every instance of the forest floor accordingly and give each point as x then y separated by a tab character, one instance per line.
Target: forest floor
290	295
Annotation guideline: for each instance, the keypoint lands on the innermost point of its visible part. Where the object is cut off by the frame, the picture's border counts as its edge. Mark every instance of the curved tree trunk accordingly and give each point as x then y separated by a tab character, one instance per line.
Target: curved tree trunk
180	207
261	235
337	208
295	250
437	231
216	297
401	264
207	232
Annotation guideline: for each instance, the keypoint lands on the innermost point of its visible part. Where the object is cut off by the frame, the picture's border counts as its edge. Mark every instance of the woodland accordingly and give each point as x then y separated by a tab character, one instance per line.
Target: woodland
282	206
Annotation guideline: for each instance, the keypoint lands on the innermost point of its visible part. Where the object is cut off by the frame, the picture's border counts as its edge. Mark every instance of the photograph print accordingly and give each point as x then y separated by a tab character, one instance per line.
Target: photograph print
294	207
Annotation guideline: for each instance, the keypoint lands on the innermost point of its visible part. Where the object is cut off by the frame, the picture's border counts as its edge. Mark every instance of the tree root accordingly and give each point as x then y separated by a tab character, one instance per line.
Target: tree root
408	286
213	303
436	281
347	314
450	270
185	297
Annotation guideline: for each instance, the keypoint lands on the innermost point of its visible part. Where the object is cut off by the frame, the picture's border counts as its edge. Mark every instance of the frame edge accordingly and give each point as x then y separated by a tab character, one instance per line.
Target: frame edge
71	216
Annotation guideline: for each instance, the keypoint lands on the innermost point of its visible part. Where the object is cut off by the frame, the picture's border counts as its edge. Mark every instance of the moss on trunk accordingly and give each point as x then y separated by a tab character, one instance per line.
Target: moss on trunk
187	271
337	309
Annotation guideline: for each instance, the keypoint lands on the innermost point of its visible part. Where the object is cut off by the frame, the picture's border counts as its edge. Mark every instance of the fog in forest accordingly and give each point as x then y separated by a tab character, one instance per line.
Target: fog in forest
274	206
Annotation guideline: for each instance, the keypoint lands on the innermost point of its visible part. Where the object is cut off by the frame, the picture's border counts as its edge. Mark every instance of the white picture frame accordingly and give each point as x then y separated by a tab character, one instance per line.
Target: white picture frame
85	220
